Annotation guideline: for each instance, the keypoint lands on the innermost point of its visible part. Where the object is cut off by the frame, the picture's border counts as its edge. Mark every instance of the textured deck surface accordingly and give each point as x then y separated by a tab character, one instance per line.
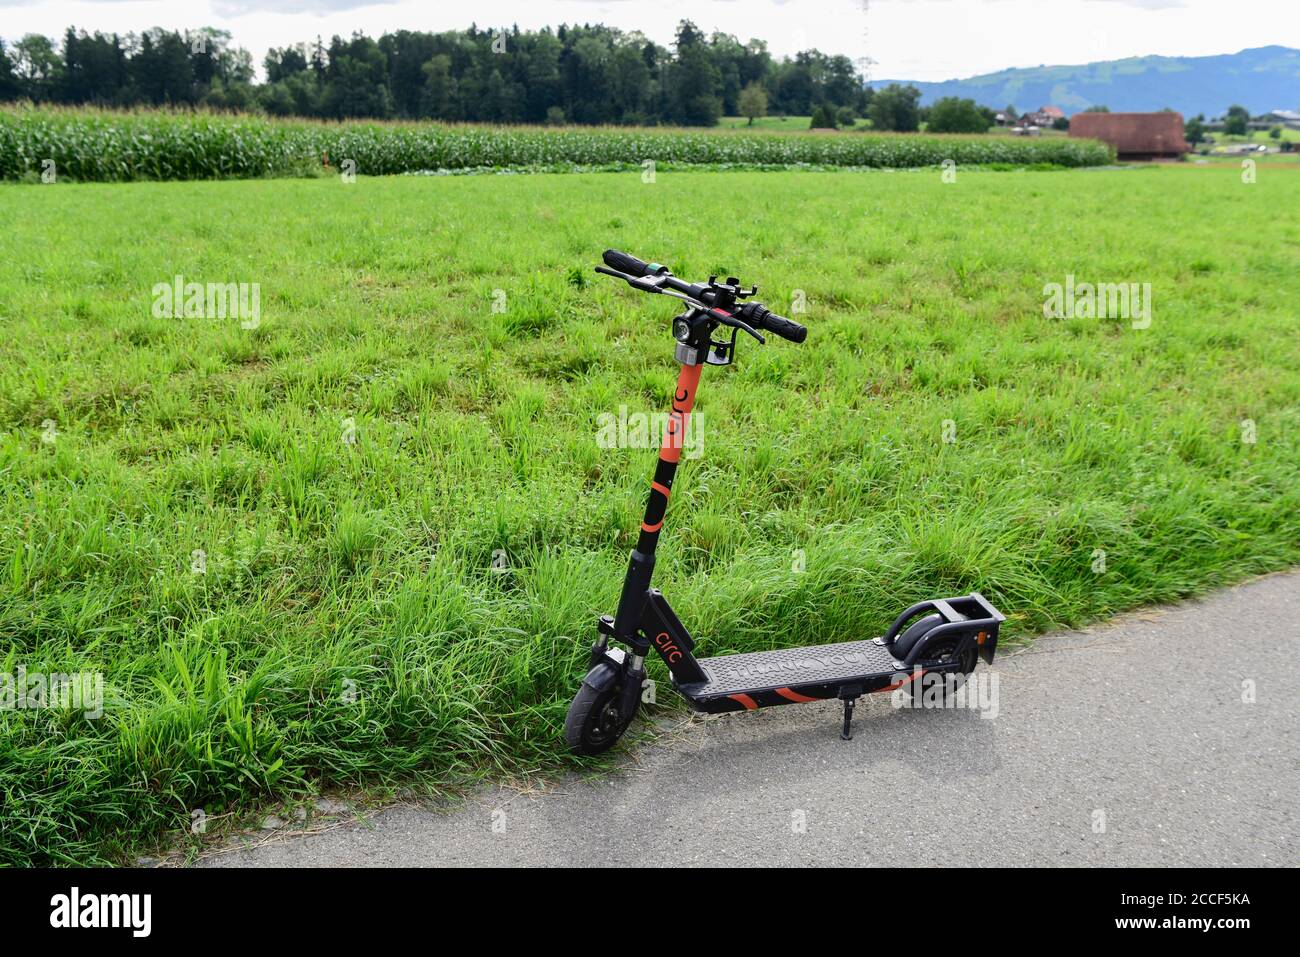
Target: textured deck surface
758	670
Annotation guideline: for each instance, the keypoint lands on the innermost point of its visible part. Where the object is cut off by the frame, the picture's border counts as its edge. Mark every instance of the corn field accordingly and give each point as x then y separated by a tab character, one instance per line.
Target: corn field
90	145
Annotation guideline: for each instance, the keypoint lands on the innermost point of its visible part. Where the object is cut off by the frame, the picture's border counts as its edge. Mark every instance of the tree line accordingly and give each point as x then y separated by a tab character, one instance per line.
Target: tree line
585	74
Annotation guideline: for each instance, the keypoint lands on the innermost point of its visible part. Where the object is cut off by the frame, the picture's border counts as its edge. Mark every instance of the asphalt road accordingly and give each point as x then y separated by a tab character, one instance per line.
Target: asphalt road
1134	743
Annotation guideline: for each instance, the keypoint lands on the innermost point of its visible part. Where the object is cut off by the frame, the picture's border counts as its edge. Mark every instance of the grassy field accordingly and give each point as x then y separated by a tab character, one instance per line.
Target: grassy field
366	539
1261	160
784	124
1277	161
1257	136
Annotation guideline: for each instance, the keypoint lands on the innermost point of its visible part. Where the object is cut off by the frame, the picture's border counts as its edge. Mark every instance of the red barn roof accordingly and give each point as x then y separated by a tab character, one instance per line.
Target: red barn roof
1134	134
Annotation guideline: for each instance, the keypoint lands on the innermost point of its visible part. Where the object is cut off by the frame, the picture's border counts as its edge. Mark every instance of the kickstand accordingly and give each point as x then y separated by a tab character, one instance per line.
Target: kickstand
847	733
849	695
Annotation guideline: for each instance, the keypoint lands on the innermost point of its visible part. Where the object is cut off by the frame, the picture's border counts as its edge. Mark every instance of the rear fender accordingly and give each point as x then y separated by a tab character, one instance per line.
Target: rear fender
984	640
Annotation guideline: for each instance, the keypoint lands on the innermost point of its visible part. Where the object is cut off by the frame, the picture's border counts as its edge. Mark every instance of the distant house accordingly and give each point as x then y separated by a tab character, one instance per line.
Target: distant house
1287	118
1043	116
1135	136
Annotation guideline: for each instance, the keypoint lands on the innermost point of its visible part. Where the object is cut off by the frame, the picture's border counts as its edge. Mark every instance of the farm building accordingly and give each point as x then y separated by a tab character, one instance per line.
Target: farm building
1135	136
1043	116
1287	118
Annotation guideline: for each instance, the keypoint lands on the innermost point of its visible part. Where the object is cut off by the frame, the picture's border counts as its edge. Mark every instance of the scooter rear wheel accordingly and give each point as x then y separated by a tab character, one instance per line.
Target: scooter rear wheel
593	724
942	653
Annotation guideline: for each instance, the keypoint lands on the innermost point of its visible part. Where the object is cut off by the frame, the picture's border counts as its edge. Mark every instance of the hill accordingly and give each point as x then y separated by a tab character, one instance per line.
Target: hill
1261	79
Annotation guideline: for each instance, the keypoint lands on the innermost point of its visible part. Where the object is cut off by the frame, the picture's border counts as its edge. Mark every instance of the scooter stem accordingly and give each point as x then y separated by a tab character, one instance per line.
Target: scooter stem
636	586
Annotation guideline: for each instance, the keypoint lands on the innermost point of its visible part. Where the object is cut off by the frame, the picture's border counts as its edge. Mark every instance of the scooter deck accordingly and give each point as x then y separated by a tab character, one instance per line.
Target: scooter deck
760	679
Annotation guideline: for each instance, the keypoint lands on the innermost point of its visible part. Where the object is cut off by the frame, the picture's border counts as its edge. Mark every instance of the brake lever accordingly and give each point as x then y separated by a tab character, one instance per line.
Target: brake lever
738	324
626	277
654	283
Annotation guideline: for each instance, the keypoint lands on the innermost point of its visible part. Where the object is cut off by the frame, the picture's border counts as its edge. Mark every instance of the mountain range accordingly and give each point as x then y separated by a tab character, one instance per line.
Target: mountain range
1260	79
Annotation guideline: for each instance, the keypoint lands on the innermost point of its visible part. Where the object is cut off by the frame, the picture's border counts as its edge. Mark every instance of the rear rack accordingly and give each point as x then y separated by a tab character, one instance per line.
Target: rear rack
962	615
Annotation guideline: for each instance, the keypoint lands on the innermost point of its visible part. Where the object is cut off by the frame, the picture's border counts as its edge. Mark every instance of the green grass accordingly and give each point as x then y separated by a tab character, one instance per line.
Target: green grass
350	626
788	124
1284	161
1256	136
97	146
782	124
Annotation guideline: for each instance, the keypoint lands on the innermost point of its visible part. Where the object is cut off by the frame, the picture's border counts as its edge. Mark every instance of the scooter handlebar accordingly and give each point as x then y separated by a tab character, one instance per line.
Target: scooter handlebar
753	314
785	328
760	317
626	262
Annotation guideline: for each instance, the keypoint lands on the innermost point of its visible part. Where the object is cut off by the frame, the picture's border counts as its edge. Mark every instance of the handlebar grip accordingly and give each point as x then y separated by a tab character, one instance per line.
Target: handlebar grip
625	262
780	326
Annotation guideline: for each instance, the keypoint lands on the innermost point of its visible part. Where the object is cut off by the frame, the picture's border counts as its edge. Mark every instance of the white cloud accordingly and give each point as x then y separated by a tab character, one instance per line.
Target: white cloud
909	39
1147	4
319	8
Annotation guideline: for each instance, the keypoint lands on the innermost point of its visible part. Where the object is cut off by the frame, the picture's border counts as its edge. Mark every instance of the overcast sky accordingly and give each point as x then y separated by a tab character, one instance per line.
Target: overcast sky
906	39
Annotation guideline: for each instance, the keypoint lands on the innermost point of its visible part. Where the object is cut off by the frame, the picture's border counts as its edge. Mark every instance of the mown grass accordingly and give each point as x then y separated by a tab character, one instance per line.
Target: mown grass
781	124
99	146
350	626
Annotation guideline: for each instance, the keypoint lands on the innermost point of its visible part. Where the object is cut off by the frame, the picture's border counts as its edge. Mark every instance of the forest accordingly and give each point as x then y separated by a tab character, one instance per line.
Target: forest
588	74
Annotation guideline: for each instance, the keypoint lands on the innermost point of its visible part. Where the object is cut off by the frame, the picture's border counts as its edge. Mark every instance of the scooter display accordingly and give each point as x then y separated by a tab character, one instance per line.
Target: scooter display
940	637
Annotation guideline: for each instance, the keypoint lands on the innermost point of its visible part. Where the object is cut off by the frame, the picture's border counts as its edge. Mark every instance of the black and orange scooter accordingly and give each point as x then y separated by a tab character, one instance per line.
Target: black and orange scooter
940	639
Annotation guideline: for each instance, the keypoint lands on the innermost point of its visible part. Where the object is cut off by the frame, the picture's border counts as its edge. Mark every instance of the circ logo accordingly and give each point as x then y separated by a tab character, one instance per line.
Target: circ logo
671	652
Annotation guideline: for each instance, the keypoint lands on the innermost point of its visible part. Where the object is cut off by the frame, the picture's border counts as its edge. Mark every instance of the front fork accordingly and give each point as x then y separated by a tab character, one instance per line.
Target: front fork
626	671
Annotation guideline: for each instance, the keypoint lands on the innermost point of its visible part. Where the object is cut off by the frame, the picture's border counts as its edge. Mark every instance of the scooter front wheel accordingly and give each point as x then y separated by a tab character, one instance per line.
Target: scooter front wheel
593	724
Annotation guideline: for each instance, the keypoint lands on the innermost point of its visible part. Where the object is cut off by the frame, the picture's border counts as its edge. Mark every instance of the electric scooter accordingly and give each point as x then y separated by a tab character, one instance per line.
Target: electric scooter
941	638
